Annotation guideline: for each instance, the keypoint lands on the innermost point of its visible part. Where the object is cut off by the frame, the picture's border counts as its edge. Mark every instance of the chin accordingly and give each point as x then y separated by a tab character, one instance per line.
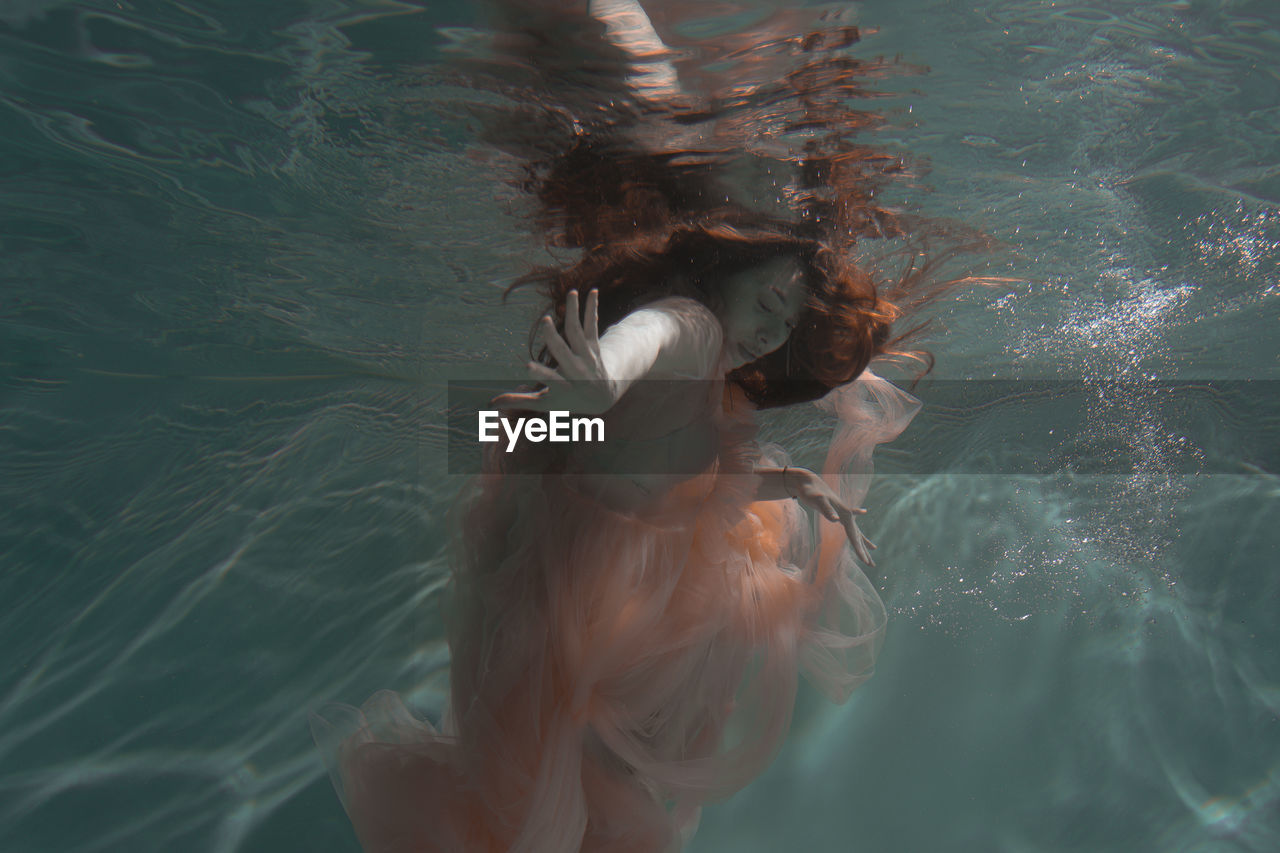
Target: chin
732	359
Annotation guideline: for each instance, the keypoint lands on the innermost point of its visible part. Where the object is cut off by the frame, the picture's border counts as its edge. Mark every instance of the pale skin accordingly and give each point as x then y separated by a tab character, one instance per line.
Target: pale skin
759	308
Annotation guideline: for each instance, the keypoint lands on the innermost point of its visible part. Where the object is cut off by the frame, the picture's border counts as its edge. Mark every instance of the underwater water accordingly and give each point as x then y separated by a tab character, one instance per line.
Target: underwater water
246	245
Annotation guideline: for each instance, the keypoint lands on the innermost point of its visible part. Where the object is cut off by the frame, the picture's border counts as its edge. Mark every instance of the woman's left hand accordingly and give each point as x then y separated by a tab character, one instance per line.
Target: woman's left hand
811	490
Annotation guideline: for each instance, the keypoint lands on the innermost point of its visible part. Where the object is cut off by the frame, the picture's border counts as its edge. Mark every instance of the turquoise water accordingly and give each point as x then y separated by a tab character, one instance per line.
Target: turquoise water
245	246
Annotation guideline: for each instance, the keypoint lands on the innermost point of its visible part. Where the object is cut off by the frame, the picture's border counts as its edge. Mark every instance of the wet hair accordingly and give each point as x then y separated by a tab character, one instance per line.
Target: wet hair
640	189
844	323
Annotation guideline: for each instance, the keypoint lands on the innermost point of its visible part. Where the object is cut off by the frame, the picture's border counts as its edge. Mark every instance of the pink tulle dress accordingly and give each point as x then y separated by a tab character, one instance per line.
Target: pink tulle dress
613	669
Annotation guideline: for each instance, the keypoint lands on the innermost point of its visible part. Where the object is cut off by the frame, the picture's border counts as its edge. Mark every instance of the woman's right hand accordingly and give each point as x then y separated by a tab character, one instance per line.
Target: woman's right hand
580	383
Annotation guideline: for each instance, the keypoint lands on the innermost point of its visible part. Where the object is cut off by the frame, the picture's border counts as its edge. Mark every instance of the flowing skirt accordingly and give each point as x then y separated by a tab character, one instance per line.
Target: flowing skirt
613	670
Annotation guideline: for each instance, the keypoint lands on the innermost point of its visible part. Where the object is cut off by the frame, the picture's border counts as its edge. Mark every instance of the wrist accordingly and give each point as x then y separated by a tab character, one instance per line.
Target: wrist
786	482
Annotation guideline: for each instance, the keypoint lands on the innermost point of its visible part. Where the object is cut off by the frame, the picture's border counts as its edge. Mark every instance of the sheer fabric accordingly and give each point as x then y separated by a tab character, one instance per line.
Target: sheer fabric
615	669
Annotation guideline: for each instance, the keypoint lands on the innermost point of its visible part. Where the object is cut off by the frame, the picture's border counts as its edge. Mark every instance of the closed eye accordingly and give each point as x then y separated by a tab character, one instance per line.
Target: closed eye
791	326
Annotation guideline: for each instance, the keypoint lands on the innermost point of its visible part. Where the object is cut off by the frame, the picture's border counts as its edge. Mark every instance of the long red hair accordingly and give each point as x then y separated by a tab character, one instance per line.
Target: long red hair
845	321
645	202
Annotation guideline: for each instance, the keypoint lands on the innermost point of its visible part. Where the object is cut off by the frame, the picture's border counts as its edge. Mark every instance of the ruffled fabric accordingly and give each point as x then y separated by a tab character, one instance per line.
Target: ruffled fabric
615	669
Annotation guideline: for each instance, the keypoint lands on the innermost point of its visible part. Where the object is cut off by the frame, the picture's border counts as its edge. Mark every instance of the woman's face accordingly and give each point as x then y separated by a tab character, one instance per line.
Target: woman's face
760	307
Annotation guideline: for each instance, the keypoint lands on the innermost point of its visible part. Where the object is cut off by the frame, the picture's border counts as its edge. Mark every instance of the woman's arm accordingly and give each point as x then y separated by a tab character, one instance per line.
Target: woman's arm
653	78
812	491
672	337
773	483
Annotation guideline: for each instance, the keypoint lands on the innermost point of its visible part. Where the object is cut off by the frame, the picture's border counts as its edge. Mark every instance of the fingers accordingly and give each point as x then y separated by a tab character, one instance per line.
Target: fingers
861	545
855	539
563	355
866	545
864	555
593	318
576	359
843	510
544	374
827	508
533	401
573	325
583	341
843	515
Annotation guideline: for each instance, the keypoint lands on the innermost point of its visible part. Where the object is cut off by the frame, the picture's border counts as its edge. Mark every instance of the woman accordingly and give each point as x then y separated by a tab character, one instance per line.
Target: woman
627	635
628	621
735	286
